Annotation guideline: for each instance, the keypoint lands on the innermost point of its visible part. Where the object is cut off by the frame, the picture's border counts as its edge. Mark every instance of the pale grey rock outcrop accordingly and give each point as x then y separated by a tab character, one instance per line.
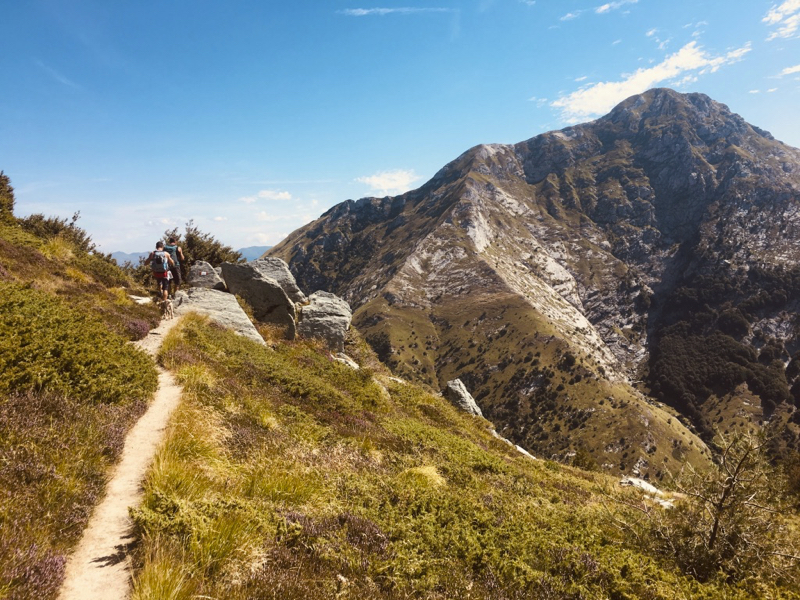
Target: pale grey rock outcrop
346	360
326	316
270	302
651	491
457	393
220	306
278	270
202	274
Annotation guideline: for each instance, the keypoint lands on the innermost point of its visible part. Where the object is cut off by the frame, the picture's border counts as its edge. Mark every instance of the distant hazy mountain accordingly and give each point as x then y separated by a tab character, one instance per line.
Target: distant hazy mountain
250	253
253	252
133	257
581	280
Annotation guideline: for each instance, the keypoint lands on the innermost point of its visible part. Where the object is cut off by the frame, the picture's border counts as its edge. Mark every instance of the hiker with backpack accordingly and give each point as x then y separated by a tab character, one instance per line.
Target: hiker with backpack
176	253
160	262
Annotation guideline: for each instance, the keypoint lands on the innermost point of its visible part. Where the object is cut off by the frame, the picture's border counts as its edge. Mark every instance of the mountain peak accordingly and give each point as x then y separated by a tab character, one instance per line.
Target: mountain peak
695	111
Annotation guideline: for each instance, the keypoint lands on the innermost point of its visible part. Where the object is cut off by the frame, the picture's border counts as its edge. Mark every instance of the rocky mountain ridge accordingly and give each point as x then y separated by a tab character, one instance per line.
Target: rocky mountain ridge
551	275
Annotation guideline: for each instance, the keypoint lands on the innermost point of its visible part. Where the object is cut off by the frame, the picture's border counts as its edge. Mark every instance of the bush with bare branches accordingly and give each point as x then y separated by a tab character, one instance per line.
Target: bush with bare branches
728	522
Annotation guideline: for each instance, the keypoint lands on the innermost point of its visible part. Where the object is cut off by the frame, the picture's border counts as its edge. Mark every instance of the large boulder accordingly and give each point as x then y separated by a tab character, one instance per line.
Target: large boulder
202	274
457	393
326	316
270	303
278	270
220	306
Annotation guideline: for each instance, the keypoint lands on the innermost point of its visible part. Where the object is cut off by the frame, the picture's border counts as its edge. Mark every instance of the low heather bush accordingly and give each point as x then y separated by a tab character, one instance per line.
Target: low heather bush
54	455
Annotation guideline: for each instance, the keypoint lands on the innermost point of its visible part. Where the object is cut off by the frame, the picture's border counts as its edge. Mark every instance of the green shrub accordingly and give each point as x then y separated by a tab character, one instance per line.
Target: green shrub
729	522
198	245
48	346
6	199
51	227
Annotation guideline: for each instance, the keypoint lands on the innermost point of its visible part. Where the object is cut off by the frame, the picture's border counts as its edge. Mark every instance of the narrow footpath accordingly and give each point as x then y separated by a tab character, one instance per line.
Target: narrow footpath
100	566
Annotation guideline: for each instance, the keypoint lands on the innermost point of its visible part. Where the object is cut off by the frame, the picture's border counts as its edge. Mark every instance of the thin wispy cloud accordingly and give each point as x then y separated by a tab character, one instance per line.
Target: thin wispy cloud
57	76
390	182
790	70
697	26
608	7
786	17
599	10
662	44
266	195
366	12
266	217
680	68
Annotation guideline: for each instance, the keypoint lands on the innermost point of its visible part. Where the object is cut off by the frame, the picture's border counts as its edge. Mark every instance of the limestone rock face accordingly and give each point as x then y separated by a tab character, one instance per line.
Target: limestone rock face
220	306
268	299
457	393
278	270
326	316
202	274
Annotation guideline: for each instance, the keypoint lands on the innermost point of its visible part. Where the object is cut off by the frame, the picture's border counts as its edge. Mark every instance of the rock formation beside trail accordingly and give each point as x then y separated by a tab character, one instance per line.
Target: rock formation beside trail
278	270
264	294
327	317
457	393
219	306
579	281
202	274
270	289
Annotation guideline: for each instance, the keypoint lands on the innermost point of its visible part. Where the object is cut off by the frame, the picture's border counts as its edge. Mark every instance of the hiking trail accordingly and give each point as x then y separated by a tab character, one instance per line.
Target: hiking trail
100	565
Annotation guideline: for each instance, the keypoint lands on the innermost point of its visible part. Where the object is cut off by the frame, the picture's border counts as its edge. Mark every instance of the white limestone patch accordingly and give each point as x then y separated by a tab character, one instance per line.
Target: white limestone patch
651	491
479	231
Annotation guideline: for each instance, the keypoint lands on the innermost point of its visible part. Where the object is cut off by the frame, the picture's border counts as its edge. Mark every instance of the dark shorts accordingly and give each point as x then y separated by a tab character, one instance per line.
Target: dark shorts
176	274
163	283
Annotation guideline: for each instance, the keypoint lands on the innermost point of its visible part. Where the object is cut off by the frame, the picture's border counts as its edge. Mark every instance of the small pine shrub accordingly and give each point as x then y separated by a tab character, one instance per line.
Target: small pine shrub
48	346
6	199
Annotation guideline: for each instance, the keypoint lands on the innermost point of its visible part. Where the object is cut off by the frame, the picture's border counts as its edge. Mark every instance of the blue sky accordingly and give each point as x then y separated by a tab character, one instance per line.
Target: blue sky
254	117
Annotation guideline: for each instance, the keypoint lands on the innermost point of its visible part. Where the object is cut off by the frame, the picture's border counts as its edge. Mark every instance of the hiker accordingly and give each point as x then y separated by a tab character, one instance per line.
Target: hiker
161	268
176	253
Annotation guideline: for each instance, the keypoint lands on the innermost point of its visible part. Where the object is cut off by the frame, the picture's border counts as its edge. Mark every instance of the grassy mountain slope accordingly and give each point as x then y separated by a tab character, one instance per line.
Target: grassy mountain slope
287	475
71	387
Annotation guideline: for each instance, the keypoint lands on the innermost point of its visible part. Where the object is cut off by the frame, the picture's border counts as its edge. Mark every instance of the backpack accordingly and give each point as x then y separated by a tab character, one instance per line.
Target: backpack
159	264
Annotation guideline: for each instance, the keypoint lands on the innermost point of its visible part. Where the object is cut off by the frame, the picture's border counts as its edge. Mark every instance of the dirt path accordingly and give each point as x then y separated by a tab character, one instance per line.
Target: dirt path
100	566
